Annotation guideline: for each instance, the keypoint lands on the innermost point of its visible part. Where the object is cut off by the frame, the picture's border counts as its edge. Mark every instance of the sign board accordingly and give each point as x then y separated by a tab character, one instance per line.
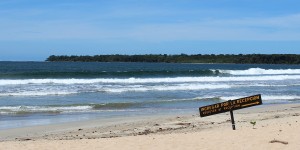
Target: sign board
230	105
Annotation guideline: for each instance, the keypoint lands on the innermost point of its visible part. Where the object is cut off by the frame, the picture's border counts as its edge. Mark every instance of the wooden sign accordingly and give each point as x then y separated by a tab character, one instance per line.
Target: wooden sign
230	105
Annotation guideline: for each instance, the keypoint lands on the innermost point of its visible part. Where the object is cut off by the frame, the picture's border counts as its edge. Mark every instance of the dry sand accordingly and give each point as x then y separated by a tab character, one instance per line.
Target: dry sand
277	127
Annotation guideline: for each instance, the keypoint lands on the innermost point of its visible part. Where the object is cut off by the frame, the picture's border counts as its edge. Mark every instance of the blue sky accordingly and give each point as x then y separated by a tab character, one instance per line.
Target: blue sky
35	29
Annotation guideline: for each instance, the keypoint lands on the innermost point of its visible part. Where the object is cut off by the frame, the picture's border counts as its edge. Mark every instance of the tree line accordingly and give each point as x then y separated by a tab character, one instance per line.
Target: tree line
184	58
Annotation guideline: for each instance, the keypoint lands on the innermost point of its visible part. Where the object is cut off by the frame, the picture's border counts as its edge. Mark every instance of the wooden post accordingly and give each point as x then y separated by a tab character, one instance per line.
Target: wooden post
232	120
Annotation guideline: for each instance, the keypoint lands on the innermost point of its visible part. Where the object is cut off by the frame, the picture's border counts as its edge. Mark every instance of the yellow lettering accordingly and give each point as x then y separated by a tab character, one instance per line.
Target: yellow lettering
224	104
213	107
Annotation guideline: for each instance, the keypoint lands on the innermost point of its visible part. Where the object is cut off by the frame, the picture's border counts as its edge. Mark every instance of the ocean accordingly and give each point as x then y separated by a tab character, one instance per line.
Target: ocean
40	93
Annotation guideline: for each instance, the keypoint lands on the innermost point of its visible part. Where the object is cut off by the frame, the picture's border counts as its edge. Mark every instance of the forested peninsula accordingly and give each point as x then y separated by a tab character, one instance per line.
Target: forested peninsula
184	58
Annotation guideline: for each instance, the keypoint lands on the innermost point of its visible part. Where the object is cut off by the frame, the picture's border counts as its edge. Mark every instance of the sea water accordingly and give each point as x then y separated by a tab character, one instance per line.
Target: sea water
38	93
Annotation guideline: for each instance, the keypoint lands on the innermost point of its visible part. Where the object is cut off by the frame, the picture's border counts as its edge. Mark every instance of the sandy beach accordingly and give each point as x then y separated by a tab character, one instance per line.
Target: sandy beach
277	127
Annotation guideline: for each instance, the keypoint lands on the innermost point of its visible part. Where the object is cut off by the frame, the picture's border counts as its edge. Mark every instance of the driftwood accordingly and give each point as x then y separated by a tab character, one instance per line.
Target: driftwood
277	141
183	124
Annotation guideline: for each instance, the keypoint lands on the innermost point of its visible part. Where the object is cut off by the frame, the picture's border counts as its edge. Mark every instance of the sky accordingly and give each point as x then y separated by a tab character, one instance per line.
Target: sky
32	30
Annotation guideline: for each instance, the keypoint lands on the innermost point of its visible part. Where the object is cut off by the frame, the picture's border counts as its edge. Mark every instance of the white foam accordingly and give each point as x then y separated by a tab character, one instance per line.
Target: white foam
281	97
179	87
45	109
14	109
44	90
36	93
265	97
148	80
260	71
66	90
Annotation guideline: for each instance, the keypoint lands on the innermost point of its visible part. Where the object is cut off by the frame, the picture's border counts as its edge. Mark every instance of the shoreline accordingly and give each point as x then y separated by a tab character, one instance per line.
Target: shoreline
279	121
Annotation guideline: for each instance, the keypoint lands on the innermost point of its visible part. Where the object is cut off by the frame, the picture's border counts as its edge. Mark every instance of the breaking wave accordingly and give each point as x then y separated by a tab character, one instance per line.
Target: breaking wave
117	106
148	80
124	106
260	71
266	97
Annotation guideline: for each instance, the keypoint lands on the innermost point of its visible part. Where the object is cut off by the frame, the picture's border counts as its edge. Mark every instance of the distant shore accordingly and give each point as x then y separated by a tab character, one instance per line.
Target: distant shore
184	58
277	127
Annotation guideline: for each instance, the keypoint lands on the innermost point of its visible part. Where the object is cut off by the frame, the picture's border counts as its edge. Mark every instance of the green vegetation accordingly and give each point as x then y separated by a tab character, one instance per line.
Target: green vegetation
183	58
253	123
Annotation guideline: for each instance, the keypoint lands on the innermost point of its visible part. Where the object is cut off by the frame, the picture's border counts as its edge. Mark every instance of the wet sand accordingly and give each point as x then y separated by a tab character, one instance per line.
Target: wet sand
277	127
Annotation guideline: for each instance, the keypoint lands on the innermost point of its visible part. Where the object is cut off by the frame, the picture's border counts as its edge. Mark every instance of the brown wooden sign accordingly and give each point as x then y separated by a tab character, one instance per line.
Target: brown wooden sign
230	105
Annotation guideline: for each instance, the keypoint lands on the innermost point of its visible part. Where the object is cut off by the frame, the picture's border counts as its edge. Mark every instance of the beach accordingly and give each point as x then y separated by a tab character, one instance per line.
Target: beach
277	127
149	75
76	105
